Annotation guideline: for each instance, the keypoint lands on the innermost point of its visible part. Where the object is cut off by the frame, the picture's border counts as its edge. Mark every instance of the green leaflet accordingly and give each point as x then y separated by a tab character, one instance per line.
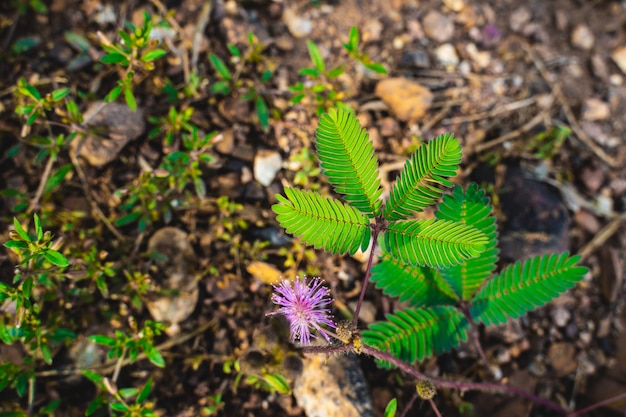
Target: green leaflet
524	286
422	175
322	222
471	208
347	158
432	242
417	333
418	286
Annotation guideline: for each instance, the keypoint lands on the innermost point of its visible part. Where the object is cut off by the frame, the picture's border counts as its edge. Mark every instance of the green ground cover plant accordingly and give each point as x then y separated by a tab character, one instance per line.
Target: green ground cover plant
442	268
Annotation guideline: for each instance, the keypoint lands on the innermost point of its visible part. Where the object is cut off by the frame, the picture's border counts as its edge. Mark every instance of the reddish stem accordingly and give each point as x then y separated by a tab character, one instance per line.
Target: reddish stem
461	386
366	280
597	405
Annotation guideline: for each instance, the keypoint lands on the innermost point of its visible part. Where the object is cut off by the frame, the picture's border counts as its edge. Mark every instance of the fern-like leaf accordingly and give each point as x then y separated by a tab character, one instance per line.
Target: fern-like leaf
347	158
322	222
432	242
419	183
473	209
418	286
416	333
524	286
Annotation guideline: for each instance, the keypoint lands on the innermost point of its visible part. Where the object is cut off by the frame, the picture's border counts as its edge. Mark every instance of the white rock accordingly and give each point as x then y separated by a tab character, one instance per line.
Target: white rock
480	58
619	57
519	18
560	316
266	165
332	387
582	37
454	5
438	27
446	55
596	109
297	25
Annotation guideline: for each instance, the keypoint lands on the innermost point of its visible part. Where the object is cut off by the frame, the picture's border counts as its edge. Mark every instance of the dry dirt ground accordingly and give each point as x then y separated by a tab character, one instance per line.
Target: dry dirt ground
535	92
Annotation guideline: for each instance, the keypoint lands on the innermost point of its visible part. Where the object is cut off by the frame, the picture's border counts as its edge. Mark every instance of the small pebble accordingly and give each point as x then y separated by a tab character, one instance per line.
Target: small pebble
599	67
496	371
266	166
587	221
619	57
446	55
596	109
417	58
480	58
502	355
454	5
298	26
519	18
438	27
582	37
560	316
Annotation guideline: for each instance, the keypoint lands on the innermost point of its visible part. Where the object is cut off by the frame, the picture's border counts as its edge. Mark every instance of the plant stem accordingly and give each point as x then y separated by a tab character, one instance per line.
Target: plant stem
118	366
459	385
476	339
434	407
409	405
368	272
462	386
597	405
31	395
34	203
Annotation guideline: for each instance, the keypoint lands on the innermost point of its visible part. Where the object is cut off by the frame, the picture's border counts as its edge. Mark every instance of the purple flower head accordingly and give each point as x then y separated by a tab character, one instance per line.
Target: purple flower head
303	303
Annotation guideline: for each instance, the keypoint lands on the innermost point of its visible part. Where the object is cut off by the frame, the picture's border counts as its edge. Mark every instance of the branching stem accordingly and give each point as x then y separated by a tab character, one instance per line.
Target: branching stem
458	385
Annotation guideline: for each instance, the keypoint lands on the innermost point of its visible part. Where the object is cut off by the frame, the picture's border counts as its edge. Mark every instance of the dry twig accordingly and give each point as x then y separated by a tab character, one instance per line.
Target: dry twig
614	162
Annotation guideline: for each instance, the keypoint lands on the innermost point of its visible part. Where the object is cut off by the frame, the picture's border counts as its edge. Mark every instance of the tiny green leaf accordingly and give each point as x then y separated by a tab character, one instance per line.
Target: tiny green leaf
154	355
114	58
120	406
16	244
46	354
113	94
335	72
38	228
153	55
310	72
220	67
55	258
130	99
27	286
376	67
103	340
20	230
234	51
316	56
390	410
145	391
277	382
220	87
60	94
263	113
77	41
57	178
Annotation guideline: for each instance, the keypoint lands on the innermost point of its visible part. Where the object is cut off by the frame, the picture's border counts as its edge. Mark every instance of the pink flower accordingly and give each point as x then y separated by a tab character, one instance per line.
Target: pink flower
304	305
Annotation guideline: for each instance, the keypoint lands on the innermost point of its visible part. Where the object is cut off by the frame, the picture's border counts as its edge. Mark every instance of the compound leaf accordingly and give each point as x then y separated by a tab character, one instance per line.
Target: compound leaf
432	242
417	333
347	158
471	208
322	222
418	286
525	286
419	183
